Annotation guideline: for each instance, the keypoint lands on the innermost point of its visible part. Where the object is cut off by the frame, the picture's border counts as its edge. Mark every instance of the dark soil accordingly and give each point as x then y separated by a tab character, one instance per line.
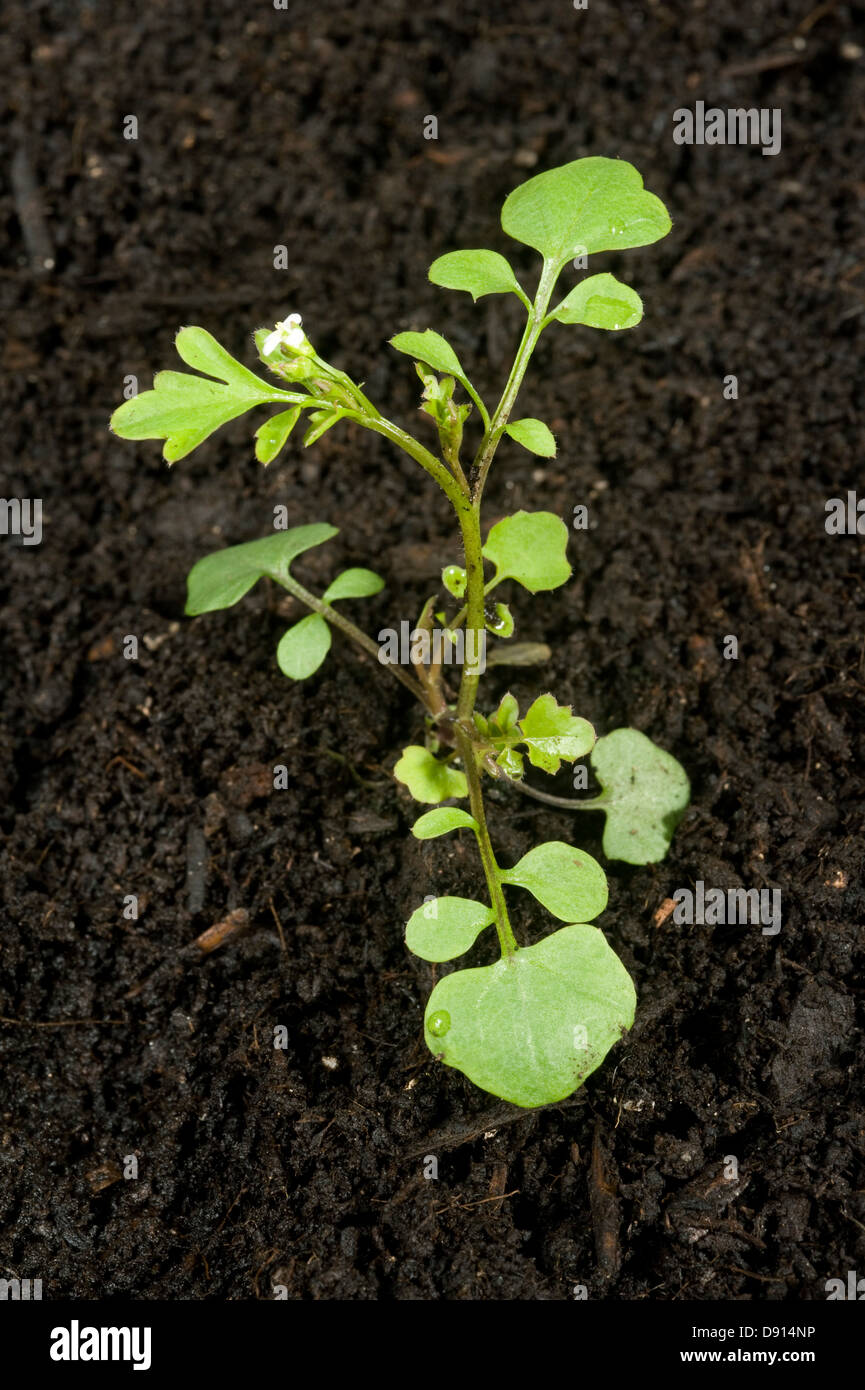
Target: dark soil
259	1166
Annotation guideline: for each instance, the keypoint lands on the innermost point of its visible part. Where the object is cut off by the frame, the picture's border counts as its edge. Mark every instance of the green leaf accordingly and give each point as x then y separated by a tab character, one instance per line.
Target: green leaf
503	623
434	823
270	437
446	927
530	547
551	732
184	410
646	792
428	779
478	272
590	205
507	713
303	648
454	580
512	763
532	1027
320	421
534	436
601	301
355	583
431	348
199	349
221	579
569	882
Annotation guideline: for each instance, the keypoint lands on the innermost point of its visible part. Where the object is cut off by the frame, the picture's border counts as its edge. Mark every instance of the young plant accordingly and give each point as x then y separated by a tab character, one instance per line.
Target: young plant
534	1025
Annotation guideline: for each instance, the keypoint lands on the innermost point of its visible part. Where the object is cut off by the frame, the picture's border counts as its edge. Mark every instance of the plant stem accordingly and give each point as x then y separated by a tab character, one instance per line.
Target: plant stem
470	525
489	444
357	636
507	940
468	511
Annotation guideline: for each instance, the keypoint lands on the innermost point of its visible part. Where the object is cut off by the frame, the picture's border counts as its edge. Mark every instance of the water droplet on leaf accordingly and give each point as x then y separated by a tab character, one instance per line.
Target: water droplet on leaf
439	1023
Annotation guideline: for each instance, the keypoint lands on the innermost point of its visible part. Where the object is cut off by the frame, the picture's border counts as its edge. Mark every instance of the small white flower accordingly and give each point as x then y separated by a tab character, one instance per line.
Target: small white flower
288	333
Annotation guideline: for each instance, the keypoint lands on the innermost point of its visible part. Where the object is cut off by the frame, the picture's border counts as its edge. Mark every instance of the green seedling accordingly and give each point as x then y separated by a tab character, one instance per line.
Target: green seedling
534	1025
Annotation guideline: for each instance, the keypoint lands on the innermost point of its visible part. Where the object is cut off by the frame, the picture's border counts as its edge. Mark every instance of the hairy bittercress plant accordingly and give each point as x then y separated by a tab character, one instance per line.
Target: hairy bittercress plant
533	1026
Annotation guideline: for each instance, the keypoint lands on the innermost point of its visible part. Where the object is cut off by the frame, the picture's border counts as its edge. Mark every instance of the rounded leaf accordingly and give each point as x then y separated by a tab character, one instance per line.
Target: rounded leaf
530	547
601	301
303	648
532	1027
355	583
454	580
446	927
434	823
535	436
503	622
428	779
646	792
477	272
431	348
569	882
590	205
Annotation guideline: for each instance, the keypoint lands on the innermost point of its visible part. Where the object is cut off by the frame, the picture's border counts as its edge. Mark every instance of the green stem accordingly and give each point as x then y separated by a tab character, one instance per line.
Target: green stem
484	414
469	514
469	519
492	872
357	635
459	618
490	442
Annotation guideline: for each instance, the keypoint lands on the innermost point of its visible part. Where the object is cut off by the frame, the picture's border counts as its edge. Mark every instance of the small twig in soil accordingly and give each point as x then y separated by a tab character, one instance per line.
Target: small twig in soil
604	1206
278	923
60	1022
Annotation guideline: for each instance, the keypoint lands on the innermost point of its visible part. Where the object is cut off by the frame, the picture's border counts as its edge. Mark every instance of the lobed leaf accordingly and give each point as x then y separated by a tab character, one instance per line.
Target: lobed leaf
428	779
477	272
220	580
303	647
645	794
567	881
601	301
184	410
551	732
446	927
532	1027
589	205
530	547
535	436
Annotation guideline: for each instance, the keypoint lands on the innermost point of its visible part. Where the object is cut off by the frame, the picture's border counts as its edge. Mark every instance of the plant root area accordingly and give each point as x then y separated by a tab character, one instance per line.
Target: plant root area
214	1082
